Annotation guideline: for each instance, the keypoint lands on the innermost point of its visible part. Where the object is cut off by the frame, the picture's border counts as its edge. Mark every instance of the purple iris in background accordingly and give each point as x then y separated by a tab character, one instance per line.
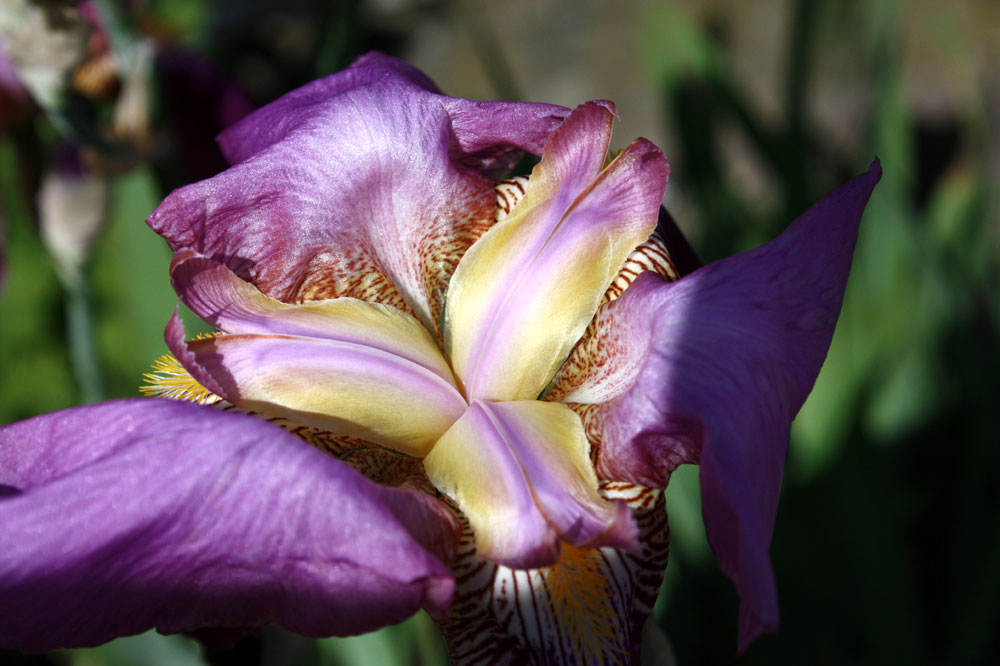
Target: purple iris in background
430	387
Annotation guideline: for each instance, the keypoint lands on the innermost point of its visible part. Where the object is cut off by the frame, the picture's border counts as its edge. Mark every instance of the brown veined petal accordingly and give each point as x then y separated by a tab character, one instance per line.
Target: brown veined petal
170	379
589	608
220	297
380	464
364	184
594	370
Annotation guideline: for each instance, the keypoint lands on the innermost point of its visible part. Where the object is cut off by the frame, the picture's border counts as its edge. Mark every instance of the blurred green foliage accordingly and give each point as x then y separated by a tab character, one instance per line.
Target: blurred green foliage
888	534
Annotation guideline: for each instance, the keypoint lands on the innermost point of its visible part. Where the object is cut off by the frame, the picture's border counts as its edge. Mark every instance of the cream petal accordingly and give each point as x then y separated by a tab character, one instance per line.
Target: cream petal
220	297
521	473
345	387
524	293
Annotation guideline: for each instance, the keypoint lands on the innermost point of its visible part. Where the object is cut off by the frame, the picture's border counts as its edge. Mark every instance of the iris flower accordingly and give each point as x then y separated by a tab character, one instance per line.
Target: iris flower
430	387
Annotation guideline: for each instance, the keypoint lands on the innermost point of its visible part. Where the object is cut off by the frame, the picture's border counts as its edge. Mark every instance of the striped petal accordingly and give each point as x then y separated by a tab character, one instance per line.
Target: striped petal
217	295
144	513
345	386
714	368
524	293
521	473
588	608
358	185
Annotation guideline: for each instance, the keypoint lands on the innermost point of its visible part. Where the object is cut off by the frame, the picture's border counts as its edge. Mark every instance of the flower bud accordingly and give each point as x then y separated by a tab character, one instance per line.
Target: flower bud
72	208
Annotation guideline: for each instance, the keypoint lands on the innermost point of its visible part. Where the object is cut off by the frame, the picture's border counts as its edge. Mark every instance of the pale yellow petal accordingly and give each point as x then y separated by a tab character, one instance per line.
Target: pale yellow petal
524	293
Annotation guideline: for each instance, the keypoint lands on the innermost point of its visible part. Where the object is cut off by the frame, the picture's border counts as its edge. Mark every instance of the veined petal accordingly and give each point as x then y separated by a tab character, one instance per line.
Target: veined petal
524	293
491	136
274	122
153	513
588	608
488	135
217	295
345	387
356	185
521	473
473	464
720	363
593	371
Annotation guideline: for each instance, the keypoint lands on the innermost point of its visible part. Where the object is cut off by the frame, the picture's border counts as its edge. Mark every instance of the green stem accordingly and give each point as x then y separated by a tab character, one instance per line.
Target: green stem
82	348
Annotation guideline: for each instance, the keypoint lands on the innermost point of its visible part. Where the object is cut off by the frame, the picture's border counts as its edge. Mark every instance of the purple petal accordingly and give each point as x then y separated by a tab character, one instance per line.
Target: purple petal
484	132
142	513
276	120
728	355
561	475
492	136
473	465
357	185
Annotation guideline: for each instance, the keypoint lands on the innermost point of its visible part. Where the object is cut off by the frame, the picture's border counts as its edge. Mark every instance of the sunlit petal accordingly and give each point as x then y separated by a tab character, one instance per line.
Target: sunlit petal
343	386
524	293
593	372
521	473
489	135
222	299
357	185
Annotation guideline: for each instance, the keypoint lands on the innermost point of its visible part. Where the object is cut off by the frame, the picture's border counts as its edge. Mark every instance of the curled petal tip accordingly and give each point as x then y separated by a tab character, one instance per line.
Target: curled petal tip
604	103
176	341
752	627
543	553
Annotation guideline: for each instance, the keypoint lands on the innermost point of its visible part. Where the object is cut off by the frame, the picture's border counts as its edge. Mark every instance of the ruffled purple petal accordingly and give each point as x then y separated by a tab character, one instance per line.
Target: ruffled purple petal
147	513
364	173
485	133
729	354
274	121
